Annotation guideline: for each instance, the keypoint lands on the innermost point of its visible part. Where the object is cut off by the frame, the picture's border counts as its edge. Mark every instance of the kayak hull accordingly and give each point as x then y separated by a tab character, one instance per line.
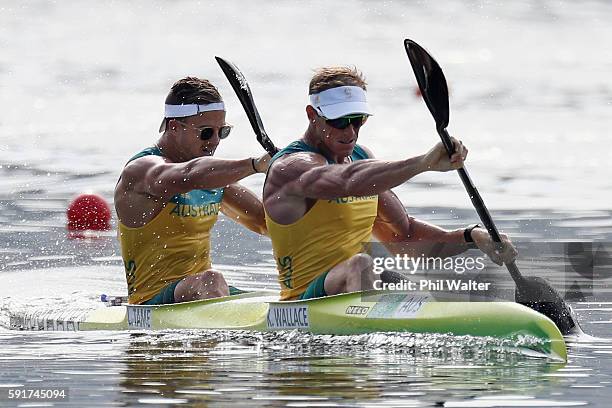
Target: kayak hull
345	314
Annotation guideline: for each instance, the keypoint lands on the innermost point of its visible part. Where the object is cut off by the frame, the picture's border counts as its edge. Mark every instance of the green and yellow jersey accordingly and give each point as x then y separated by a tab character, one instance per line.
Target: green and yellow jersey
173	245
331	232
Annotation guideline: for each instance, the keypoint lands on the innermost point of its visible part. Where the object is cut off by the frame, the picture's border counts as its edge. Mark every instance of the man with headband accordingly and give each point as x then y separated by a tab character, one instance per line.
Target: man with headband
169	195
325	196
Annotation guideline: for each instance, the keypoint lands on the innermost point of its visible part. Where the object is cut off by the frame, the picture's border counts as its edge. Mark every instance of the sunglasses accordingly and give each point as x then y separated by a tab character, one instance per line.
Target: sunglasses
345	121
207	132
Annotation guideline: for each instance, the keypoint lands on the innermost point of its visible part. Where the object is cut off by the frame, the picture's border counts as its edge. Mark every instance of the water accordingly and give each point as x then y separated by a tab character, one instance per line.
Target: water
188	367
184	367
81	90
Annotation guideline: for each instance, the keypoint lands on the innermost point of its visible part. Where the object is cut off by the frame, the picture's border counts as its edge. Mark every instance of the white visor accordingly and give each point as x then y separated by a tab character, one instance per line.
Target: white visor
341	101
182	111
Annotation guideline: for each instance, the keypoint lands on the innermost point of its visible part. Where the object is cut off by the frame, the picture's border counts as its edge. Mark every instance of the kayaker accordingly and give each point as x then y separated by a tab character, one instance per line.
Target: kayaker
325	196
169	195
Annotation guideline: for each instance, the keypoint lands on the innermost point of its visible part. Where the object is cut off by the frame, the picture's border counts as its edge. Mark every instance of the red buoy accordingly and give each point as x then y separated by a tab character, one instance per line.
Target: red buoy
88	212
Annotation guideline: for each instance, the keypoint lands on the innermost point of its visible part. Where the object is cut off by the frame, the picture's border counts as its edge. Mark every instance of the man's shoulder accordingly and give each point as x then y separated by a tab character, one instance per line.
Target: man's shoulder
147	151
296	151
135	171
295	163
302	156
141	164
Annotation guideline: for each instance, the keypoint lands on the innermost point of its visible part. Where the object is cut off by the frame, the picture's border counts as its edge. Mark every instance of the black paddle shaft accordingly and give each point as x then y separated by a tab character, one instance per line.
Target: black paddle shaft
479	204
531	291
434	90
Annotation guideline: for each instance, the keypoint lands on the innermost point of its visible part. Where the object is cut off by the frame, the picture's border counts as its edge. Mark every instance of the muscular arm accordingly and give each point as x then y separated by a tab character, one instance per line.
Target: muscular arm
240	204
402	234
306	175
147	183
158	177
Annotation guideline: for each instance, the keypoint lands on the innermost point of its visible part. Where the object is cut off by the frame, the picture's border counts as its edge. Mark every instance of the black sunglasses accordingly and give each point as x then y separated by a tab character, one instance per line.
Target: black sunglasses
206	132
342	123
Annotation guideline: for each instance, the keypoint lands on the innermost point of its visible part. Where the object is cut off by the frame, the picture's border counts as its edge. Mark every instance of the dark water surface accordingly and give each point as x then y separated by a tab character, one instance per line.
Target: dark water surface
44	272
173	368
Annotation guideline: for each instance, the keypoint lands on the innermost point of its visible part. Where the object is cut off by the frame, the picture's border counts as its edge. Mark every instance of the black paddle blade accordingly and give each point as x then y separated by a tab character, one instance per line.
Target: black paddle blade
243	92
539	295
532	292
431	82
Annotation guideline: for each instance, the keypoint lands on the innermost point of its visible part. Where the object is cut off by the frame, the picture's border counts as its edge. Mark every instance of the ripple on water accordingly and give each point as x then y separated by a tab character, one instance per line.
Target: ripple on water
286	367
512	401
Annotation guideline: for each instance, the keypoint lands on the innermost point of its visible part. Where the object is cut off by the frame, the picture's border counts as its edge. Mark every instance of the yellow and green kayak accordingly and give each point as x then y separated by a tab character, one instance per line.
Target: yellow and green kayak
345	314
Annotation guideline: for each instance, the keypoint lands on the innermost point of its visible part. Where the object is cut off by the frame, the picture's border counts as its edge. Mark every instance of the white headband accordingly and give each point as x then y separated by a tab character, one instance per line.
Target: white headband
181	111
340	101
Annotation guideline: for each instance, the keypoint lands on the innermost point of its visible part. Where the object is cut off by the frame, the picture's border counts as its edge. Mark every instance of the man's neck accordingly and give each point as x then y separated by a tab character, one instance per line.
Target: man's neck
168	149
312	139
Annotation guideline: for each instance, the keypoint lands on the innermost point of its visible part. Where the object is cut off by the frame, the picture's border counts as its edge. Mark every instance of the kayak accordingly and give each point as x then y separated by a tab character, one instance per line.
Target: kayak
344	314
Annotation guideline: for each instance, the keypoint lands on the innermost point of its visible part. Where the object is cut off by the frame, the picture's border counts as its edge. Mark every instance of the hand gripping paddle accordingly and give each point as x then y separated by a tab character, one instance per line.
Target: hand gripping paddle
533	292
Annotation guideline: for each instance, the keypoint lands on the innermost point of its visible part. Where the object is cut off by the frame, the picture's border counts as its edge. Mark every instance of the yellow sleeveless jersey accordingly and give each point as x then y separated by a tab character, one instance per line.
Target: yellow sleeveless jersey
173	245
331	232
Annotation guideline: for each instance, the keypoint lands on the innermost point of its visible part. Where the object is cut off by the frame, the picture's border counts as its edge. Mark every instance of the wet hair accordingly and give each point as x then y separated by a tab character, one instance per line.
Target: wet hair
333	77
193	90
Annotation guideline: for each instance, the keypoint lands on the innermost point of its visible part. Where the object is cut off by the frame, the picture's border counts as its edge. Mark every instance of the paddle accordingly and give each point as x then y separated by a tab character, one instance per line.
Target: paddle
241	87
532	292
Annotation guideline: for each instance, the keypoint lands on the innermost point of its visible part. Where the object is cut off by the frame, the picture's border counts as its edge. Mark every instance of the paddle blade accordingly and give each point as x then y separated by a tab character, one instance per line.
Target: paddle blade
431	82
539	295
532	292
243	92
